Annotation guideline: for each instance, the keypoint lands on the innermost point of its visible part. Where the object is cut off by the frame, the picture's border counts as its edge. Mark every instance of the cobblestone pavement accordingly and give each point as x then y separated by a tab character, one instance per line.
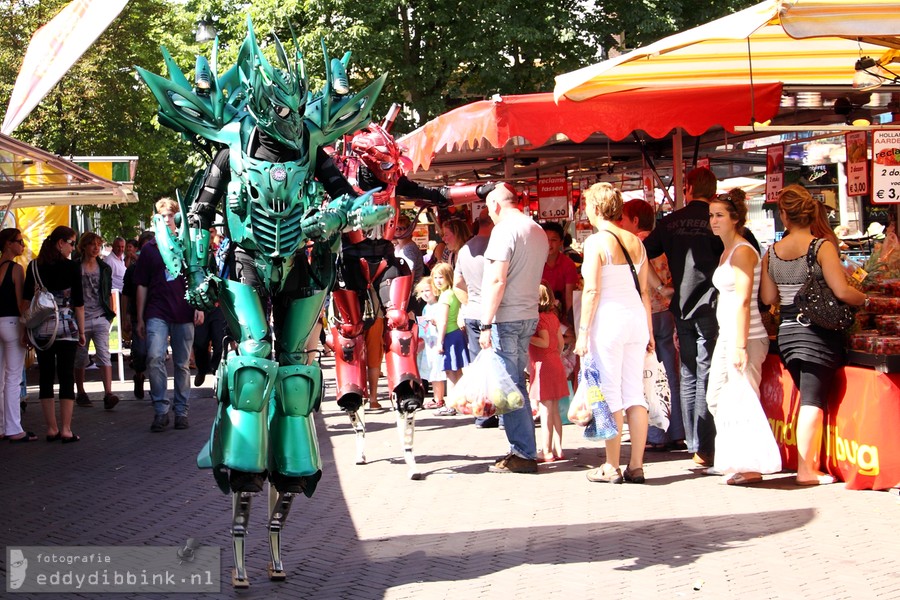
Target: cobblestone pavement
460	533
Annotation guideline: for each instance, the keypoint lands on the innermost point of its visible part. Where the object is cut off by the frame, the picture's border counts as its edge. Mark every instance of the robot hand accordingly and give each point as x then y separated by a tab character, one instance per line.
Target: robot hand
444	202
203	289
363	214
484	189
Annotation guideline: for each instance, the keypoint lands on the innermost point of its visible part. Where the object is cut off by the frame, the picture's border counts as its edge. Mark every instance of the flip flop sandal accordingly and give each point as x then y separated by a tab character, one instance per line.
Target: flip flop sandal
28	437
741	479
70	440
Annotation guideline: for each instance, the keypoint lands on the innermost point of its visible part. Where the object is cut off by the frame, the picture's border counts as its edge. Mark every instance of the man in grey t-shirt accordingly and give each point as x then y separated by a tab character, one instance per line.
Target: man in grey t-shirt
514	263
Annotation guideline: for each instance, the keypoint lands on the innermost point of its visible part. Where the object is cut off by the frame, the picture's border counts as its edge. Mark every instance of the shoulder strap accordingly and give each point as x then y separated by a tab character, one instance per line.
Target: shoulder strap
637	286
37	276
811	253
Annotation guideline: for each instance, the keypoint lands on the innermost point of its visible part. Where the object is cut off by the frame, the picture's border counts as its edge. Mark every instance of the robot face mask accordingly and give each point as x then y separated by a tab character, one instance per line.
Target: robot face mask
379	152
276	97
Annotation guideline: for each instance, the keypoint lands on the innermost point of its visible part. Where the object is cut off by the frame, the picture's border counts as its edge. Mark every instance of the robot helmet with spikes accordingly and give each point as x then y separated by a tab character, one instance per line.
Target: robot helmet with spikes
276	96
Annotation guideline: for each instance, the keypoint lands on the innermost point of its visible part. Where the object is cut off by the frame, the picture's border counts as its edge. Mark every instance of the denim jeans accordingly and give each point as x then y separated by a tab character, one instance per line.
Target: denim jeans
182	337
510	341
664	336
697	341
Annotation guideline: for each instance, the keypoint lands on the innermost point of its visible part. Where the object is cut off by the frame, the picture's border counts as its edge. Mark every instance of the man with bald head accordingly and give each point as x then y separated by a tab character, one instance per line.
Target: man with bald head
514	263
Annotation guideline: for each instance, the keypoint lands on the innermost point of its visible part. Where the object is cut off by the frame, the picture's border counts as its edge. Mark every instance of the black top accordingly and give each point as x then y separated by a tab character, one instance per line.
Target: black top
693	252
8	305
57	277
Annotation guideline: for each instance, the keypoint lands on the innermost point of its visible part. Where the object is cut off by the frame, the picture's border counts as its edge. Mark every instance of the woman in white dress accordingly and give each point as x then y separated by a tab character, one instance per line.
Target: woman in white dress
616	329
745	446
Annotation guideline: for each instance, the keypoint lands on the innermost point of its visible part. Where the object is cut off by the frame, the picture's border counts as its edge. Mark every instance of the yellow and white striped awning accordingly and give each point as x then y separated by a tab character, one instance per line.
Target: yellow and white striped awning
753	41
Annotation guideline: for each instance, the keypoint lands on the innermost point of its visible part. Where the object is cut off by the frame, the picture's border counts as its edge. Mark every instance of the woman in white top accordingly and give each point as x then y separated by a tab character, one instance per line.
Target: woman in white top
742	431
616	329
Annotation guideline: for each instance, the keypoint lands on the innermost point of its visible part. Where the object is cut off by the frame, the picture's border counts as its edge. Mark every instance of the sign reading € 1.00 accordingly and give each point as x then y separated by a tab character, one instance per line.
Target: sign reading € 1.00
553	198
885	167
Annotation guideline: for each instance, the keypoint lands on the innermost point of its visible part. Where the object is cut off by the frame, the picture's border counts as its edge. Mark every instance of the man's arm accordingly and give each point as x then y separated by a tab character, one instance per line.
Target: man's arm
495	273
140	327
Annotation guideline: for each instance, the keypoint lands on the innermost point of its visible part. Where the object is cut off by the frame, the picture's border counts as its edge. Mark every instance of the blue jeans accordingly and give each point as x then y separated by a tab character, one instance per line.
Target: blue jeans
182	337
697	340
664	336
510	341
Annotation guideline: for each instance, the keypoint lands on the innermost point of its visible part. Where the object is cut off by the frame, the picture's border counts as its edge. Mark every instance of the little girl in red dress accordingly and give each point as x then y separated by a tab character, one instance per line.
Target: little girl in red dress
547	375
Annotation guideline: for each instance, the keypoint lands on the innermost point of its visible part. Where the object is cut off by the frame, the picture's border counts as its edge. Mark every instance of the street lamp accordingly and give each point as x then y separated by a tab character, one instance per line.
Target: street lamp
206	31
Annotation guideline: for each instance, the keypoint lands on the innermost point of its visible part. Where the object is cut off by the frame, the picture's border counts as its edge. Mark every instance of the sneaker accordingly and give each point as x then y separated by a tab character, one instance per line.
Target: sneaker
181	422
109	401
514	464
138	386
445	412
199	378
491	422
160	422
82	399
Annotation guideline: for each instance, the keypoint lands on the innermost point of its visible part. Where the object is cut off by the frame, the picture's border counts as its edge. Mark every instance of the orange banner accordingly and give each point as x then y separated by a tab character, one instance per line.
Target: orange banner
860	444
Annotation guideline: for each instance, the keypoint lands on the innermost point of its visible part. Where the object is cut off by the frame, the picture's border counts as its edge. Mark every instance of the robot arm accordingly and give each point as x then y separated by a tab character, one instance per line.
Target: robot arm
205	193
444	196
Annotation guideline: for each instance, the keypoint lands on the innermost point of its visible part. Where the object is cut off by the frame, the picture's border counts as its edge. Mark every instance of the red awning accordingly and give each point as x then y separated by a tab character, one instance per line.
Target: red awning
536	117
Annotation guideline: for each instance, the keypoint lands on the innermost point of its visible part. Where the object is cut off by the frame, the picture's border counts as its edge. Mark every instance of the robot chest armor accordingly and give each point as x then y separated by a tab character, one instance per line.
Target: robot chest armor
274	198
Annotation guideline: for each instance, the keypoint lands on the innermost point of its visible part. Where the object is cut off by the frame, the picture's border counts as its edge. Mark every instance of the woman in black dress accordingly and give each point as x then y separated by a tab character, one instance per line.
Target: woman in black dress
810	354
56	360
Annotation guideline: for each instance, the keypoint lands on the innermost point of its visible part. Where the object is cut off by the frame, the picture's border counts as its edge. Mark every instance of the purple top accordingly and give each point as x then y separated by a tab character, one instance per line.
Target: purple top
165	297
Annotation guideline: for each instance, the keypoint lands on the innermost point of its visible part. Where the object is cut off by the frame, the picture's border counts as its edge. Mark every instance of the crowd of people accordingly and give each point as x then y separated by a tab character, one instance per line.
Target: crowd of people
687	287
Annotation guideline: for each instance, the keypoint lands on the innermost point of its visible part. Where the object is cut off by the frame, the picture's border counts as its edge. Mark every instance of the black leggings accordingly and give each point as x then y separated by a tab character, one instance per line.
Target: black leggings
813	381
57	362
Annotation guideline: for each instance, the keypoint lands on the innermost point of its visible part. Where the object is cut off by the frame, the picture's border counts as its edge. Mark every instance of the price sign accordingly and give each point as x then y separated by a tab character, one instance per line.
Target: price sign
477	207
774	172
885	167
553	198
857	174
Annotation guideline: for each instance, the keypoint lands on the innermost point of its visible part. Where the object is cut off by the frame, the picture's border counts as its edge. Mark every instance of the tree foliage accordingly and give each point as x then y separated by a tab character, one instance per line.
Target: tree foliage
439	54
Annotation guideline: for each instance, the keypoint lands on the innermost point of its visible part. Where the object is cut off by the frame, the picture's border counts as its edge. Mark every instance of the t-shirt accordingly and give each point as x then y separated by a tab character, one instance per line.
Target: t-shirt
693	251
470	266
449	298
412	256
118	270
557	277
165	296
523	244
90	284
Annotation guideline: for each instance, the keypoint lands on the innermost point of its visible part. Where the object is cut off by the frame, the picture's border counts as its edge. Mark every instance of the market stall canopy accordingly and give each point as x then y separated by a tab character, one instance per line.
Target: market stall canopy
535	120
30	177
750	43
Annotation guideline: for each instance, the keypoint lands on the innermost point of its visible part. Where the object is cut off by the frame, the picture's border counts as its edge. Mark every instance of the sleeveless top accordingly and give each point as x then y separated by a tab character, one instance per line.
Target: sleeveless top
790	275
617	284
8	305
729	304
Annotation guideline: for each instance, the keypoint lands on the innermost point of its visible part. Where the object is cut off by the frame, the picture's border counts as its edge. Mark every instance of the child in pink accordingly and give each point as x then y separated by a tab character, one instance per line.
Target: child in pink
547	375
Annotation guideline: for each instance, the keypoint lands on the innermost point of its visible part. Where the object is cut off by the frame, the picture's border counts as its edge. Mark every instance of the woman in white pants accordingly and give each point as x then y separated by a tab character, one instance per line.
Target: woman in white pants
12	341
616	329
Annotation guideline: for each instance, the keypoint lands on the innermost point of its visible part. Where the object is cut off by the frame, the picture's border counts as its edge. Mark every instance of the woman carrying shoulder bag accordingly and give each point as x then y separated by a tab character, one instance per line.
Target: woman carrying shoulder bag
810	353
12	339
56	360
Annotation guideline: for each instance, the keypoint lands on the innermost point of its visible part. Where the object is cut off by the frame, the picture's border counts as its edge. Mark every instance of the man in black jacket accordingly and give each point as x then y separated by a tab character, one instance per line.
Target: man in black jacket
693	252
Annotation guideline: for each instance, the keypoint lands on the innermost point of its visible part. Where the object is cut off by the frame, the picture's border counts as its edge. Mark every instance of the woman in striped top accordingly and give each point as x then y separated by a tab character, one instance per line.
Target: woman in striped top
740	351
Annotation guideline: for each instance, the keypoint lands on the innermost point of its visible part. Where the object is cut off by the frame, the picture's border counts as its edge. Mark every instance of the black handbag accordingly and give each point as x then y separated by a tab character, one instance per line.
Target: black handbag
817	303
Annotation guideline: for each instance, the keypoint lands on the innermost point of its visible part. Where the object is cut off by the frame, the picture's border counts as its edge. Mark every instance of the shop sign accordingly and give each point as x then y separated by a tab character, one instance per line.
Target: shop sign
885	167
553	198
477	207
774	172
857	173
703	162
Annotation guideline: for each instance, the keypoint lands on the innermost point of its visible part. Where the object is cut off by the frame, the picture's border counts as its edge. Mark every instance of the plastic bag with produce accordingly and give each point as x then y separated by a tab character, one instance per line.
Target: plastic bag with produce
485	388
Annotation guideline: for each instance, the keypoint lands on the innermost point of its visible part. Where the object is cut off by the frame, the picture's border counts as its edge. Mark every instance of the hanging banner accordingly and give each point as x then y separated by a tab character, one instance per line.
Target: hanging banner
553	198
36	224
885	167
857	173
774	172
53	50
